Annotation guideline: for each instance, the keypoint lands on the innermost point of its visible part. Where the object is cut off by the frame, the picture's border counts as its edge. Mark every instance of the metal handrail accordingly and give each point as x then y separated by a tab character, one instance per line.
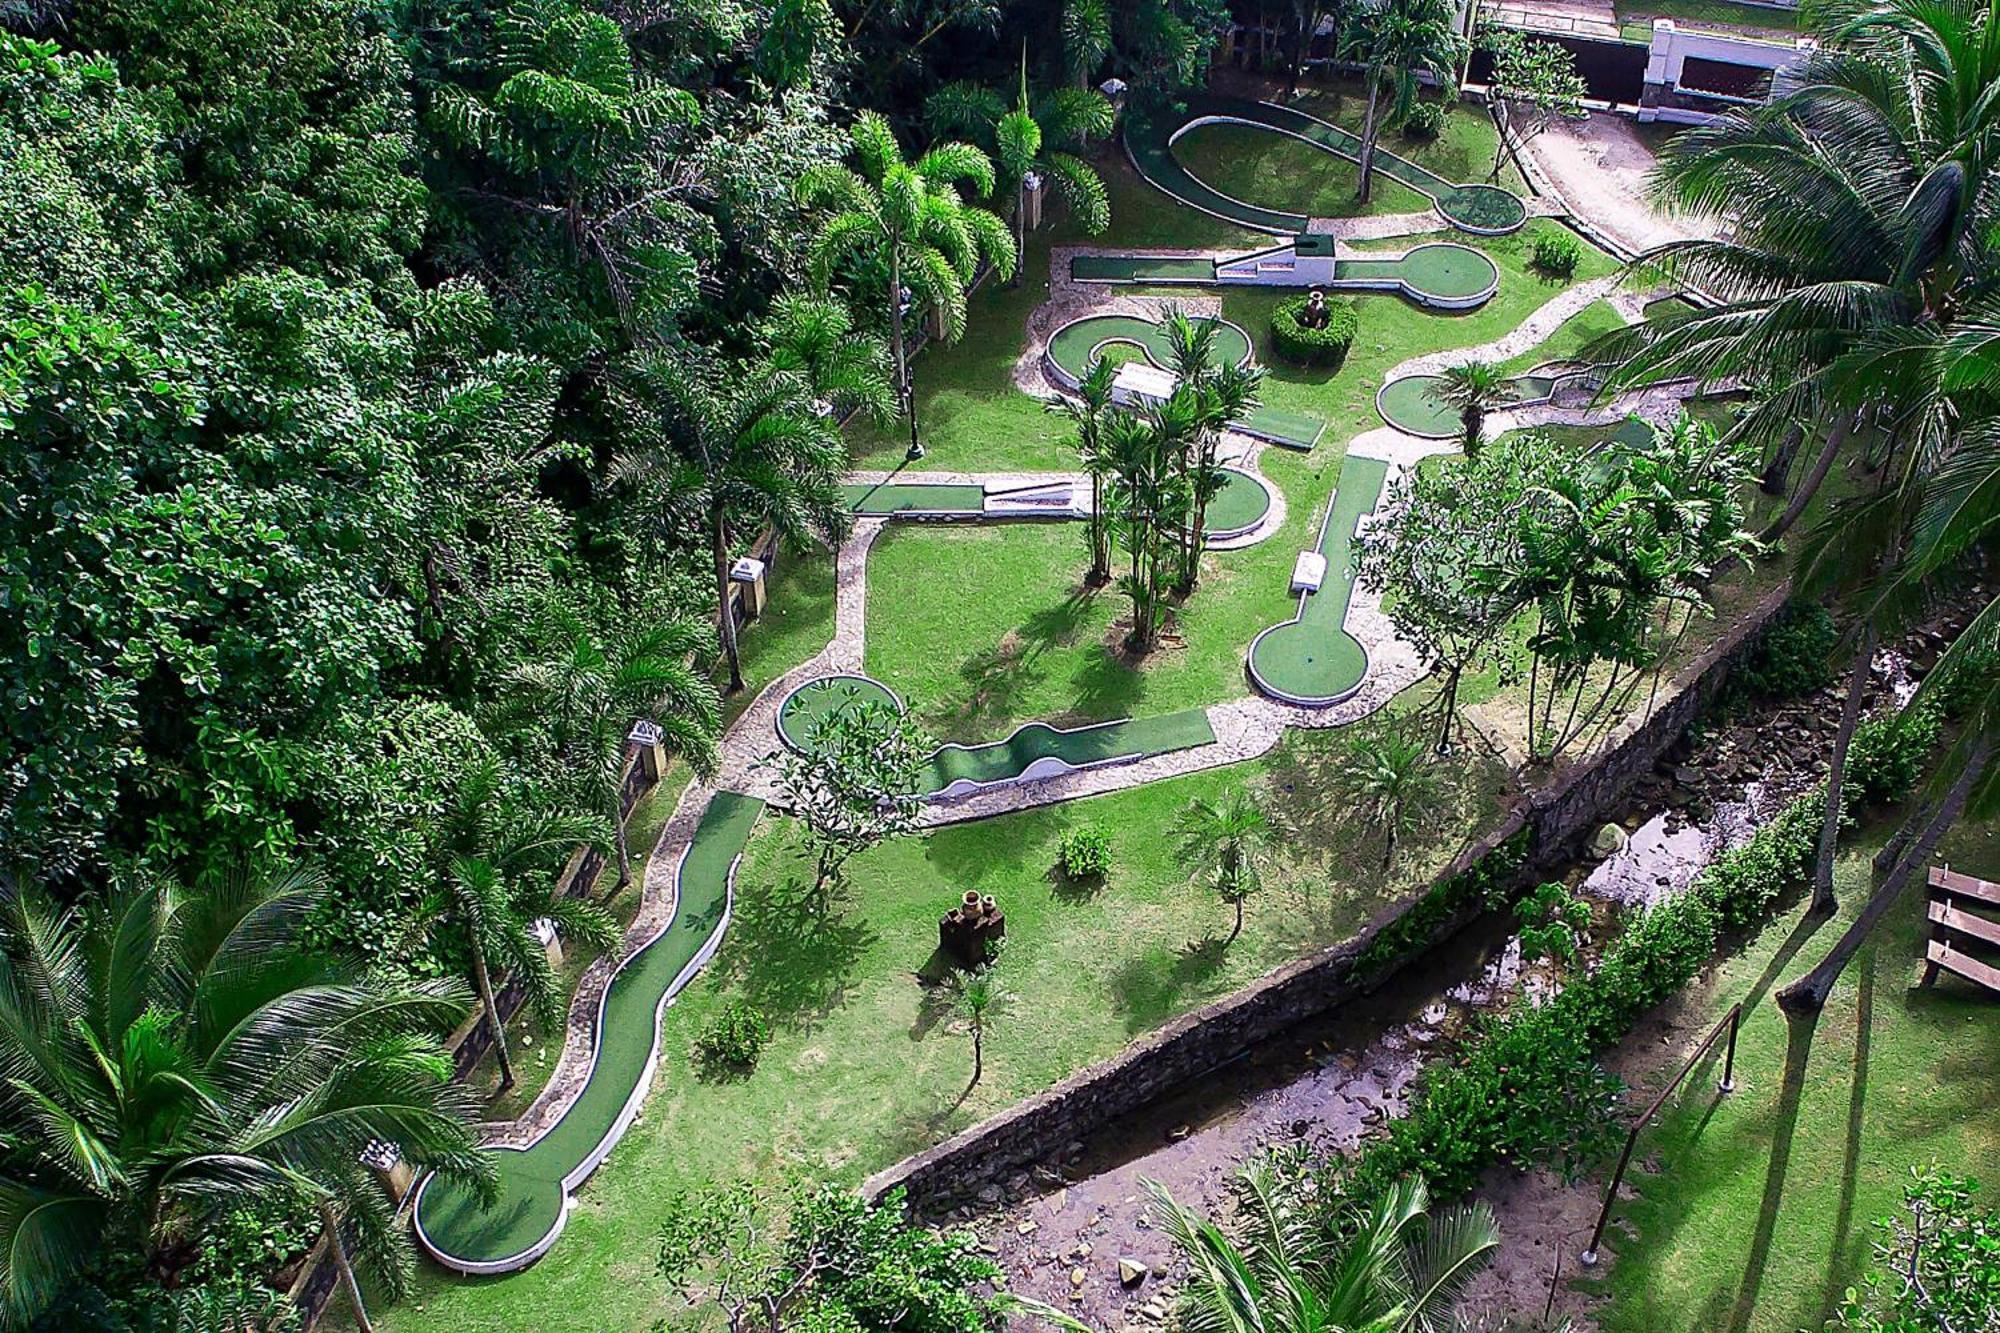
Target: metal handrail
1729	1020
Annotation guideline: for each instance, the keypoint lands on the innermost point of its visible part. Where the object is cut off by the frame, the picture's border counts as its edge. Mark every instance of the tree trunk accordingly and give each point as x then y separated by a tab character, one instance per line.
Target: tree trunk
1836	775
1368	137
1809	486
897	355
1389	843
1236	929
1450	710
483	979
624	851
1020	231
978	1052
1297	61
1808	994
1100	549
1475	428
338	1249
1780	466
725	618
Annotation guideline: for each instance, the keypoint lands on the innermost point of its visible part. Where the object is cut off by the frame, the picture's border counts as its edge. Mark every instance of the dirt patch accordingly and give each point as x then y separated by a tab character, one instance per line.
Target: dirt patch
1601	166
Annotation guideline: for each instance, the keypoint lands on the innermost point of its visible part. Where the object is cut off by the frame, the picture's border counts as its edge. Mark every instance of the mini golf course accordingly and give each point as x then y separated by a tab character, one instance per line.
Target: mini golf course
535	1182
1440	274
888	499
1484	210
1412	406
1033	750
1311	659
1233	512
1076	344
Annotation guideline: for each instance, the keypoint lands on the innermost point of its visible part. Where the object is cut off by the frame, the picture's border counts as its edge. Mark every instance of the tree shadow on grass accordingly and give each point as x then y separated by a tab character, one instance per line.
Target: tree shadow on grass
1107	686
1798	1054
1850	1159
999	677
788	958
1155	985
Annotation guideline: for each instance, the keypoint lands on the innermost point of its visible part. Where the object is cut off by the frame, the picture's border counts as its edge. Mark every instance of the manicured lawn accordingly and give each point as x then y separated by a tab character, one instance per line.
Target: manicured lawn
862	1070
1759	1213
1635	16
1570	338
797	623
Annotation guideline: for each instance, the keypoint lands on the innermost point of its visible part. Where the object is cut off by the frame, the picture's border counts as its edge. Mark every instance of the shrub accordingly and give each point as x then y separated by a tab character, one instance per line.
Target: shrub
1792	657
1886	757
1552	923
1939	1267
1084	853
1312	347
1426	120
730	1042
1557	254
1745	881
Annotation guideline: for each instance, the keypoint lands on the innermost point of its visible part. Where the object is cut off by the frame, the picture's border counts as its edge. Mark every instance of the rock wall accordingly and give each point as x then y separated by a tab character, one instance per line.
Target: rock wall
1555	820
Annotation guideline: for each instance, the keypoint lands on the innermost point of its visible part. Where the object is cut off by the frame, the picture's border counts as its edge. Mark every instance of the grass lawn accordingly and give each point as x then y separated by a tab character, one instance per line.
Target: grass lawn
862	1069
1570	338
1635	16
1759	1214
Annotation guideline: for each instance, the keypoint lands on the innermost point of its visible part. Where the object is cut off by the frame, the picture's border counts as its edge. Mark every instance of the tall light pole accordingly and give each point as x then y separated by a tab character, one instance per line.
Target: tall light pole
916	450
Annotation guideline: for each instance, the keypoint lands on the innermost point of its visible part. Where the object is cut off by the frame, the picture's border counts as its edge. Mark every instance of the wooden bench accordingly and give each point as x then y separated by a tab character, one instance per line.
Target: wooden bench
1958	910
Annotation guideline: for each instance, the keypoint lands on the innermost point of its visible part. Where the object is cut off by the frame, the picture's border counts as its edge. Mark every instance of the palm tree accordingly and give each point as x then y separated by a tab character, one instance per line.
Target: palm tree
588	689
978	997
170	1055
1393	43
1858	211
1216	395
500	847
1145	500
1227	842
1088	412
1398	1269
907	216
813	339
1086	38
1472	389
1387	779
743	450
1019	141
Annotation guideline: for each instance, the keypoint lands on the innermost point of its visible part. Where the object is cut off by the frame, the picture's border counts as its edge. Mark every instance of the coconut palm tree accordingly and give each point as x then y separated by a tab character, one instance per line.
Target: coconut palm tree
908	217
742	449
1386	777
1472	389
1227	842
1394	43
1087	413
1860	211
170	1055
589	688
813	338
1399	1268
1022	141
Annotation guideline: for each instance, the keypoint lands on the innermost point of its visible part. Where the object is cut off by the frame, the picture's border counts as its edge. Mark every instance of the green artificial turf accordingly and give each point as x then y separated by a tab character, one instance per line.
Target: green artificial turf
1753	1211
1148	131
530	1199
1239	506
865	1065
1312	657
1445	271
896	497
1249	162
1141	268
811	704
1009	758
1074	343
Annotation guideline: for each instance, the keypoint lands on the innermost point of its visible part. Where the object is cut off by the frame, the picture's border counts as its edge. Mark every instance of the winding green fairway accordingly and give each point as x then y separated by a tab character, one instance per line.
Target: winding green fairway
535	1181
1311	658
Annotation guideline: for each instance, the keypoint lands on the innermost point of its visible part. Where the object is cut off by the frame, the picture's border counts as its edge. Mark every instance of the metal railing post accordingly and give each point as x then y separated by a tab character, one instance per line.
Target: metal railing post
1645	1117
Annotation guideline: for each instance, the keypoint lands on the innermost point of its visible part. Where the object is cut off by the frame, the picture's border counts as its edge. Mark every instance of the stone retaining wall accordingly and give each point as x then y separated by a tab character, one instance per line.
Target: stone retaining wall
1555	818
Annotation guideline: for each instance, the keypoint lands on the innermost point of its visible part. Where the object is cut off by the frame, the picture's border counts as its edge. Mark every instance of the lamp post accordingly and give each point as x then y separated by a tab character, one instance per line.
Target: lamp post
916	450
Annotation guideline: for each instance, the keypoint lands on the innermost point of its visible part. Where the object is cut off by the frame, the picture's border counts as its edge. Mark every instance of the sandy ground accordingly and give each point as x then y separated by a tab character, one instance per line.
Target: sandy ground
1600	167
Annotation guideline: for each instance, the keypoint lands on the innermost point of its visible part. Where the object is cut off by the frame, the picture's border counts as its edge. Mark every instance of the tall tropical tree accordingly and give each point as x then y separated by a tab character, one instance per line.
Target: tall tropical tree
1211	395
1086	38
1394	43
172	1054
1088	412
500	846
1398	1269
1029	139
1147	501
1861	208
1473	389
587	690
740	449
909	218
1227	842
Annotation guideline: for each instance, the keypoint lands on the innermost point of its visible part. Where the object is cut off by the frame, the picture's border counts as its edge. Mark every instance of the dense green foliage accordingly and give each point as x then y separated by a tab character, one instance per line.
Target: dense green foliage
1937	1264
1307	346
1794	655
1557	254
1084	852
730	1042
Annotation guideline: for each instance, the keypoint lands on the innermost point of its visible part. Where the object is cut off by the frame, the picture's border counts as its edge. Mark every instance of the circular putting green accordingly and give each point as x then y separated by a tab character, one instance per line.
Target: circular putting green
1409	405
1238	507
806	707
1486	210
1440	273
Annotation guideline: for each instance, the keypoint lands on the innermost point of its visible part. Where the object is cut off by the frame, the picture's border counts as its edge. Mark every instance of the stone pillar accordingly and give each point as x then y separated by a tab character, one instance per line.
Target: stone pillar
652	757
389	1167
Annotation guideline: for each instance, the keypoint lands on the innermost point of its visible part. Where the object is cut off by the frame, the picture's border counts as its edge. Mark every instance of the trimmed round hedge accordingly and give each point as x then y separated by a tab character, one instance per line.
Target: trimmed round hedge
1312	347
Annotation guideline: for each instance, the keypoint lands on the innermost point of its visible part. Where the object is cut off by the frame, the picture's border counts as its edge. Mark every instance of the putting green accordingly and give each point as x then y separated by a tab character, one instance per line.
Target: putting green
1238	507
1411	403
1311	659
1438	273
879	499
535	1181
1483	209
1037	749
827	696
1073	346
